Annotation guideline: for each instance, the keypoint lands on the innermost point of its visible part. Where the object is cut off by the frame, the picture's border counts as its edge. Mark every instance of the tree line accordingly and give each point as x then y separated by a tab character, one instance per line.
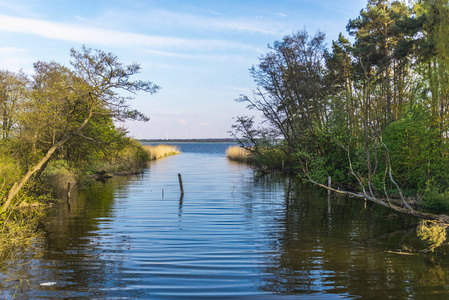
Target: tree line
66	115
370	110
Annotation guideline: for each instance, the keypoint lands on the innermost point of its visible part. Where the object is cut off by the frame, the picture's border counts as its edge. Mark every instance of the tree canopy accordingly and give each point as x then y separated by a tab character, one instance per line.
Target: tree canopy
60	110
372	113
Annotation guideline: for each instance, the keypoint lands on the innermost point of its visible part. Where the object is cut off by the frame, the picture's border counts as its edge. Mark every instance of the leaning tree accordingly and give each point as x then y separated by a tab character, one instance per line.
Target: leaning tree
65	100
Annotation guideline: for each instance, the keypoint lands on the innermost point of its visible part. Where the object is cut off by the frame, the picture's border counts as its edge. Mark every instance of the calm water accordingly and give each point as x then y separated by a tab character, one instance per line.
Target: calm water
232	235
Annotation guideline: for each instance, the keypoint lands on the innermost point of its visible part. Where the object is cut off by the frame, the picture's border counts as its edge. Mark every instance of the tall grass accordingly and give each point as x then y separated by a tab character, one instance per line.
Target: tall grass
237	153
159	151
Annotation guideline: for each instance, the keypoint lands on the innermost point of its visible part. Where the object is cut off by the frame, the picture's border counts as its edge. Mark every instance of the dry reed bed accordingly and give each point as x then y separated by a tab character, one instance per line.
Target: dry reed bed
159	151
237	153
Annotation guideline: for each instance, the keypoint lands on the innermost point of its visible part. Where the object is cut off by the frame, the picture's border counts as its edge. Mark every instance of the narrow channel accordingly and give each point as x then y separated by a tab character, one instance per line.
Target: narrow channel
232	235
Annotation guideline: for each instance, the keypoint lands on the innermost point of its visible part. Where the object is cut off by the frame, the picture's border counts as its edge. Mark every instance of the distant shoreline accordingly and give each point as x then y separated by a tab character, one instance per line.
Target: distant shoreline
187	140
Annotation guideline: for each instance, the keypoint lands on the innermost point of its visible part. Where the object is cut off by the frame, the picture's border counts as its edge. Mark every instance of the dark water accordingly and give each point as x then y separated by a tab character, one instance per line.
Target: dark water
231	236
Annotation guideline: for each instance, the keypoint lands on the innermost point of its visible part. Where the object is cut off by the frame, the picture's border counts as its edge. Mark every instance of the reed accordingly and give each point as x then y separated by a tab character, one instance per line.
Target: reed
159	151
237	153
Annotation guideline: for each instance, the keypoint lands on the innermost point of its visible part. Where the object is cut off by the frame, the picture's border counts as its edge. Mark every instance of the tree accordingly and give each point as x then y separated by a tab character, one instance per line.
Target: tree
291	90
13	92
365	114
435	54
71	99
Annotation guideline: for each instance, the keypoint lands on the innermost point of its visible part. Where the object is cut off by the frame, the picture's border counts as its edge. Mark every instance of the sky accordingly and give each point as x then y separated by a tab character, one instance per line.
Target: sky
198	51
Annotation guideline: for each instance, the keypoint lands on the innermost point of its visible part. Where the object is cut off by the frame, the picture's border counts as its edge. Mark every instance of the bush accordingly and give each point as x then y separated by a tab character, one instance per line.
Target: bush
9	173
416	150
127	157
434	199
57	175
271	157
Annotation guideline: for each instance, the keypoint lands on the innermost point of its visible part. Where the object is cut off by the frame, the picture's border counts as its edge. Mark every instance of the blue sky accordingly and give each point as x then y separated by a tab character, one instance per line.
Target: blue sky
198	51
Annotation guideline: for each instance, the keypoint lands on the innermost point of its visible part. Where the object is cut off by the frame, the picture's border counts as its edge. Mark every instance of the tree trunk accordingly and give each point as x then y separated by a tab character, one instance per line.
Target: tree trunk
18	185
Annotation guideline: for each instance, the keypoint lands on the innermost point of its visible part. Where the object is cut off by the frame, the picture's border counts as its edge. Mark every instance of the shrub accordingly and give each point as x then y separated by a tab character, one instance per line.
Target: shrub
57	175
271	157
434	199
437	202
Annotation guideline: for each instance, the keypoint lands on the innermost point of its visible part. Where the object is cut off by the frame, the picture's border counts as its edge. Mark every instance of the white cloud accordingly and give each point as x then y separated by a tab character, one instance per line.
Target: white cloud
90	35
14	59
281	15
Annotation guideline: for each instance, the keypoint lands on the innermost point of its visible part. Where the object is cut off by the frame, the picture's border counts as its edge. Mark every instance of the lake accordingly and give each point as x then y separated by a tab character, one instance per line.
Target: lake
232	235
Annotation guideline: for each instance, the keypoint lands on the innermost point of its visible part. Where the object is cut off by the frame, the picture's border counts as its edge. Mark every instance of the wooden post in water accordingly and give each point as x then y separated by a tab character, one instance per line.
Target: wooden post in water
68	197
180	184
68	192
329	184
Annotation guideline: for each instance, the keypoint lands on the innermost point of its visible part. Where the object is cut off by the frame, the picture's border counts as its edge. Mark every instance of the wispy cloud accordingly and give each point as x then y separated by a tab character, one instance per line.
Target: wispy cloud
14	58
281	15
238	89
98	36
216	23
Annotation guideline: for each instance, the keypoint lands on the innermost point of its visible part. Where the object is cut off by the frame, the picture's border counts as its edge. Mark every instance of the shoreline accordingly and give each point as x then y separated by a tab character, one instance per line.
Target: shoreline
187	141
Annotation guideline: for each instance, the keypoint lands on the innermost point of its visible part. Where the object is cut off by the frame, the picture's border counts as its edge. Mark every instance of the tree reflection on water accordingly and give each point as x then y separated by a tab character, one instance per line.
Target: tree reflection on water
342	249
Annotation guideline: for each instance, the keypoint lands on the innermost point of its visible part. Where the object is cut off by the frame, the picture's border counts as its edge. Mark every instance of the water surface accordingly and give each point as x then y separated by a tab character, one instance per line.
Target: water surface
232	235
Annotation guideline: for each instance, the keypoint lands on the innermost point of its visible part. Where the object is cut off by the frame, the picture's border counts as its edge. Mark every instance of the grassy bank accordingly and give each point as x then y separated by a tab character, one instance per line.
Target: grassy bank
160	151
19	225
131	158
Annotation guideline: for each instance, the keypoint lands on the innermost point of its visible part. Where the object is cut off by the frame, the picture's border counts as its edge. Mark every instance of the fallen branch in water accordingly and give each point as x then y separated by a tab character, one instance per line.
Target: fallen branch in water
402	253
386	203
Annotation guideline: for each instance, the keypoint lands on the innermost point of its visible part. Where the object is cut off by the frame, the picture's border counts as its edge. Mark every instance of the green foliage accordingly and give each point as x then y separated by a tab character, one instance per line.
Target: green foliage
9	169
432	233
417	153
270	157
436	201
56	177
126	156
372	114
435	197
64	117
132	156
18	233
